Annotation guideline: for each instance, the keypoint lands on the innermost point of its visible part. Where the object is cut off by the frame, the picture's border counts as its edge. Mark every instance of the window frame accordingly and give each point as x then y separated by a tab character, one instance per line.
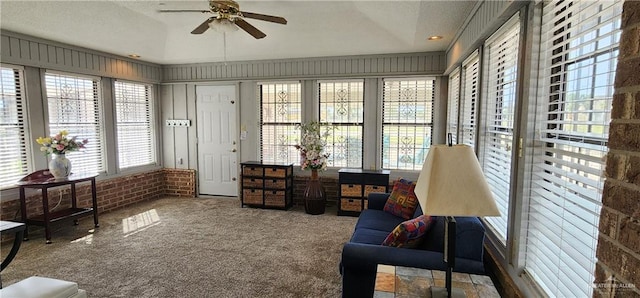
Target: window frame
339	125
26	154
292	154
152	123
100	114
432	85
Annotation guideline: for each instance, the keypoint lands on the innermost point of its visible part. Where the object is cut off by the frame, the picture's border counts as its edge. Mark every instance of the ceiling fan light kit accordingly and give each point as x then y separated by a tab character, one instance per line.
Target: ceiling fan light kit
227	15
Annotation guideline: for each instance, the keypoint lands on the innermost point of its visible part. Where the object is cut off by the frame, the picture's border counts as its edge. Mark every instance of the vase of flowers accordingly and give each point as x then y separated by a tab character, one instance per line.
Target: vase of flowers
58	145
313	158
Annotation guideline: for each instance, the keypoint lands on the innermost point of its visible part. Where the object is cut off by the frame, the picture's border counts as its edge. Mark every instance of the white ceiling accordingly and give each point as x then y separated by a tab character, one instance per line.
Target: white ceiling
314	29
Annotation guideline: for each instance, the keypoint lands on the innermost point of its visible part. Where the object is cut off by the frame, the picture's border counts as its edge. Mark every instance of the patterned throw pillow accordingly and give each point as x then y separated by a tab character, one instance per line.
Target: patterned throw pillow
409	233
403	201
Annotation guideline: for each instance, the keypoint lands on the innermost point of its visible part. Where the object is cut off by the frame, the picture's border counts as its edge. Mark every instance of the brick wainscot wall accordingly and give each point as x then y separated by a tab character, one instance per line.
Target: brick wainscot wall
112	193
618	268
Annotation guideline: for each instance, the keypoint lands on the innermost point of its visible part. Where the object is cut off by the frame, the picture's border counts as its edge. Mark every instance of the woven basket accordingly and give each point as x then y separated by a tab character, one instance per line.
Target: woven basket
275	172
252	196
251	171
275	198
351	190
252	182
275	183
351	205
373	189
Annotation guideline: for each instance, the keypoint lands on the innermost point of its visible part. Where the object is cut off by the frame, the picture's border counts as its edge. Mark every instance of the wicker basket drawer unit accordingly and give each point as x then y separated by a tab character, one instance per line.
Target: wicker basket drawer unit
355	187
267	185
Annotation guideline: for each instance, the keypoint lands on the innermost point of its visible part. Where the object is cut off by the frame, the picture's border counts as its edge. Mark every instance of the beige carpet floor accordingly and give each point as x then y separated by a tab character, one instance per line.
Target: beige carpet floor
205	247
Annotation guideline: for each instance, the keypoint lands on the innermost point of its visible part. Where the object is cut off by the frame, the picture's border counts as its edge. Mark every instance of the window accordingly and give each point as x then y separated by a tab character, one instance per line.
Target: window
469	100
578	58
134	124
407	120
281	110
342	106
452	105
75	105
501	60
13	134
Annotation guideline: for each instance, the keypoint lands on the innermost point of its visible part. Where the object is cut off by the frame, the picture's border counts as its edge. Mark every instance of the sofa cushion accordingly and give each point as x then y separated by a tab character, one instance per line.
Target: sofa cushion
368	236
403	201
378	220
409	233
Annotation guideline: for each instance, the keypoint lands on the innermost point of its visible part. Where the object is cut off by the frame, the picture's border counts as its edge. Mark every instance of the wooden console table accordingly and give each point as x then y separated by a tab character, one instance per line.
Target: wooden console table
43	180
397	281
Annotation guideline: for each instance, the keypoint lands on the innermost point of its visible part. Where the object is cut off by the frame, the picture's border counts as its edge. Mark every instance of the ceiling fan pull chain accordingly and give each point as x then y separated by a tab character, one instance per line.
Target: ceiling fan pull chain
224	43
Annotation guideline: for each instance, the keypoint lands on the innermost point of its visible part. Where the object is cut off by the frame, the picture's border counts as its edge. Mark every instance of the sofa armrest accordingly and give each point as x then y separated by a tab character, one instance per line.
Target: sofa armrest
377	200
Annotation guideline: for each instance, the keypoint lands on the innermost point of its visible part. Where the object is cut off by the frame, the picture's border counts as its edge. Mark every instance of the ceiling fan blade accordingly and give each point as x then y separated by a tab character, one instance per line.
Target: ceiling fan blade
184	10
202	27
249	28
264	17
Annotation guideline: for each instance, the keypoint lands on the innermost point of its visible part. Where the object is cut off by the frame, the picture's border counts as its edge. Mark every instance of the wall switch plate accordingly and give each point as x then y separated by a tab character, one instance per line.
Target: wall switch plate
175	122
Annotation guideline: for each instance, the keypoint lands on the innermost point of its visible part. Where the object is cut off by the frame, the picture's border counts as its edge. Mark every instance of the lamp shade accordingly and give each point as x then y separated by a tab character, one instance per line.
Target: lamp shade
451	183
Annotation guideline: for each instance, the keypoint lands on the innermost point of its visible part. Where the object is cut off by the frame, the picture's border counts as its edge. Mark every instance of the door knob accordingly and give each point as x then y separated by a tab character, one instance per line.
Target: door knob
234	150
233	179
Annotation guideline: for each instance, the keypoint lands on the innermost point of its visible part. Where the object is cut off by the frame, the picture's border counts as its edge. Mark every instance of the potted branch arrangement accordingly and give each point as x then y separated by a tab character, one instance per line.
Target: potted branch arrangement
313	157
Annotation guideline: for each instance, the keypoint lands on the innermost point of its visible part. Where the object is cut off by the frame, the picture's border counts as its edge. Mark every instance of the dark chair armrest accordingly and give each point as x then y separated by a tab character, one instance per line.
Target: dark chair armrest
377	200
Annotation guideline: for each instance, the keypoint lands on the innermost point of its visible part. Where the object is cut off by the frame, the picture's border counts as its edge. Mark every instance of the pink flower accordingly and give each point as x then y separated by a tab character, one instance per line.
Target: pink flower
60	147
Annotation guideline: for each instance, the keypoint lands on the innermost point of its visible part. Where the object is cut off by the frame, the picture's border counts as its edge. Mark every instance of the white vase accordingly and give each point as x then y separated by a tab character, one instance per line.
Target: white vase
60	166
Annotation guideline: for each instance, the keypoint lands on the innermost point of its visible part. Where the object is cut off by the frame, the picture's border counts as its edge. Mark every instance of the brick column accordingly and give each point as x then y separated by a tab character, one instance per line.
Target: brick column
617	272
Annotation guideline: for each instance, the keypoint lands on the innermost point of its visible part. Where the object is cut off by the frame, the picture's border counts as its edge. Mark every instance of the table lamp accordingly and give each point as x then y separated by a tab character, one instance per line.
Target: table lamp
450	184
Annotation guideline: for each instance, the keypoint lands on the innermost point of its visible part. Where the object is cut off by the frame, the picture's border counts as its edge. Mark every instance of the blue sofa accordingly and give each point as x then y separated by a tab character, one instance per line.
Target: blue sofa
362	254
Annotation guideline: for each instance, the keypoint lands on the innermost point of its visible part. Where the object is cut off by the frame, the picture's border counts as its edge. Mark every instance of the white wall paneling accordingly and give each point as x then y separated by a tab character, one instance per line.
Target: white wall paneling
432	63
31	51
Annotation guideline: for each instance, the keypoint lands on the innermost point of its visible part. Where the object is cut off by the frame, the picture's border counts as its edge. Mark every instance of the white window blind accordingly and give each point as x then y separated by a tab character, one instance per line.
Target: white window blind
342	106
578	58
469	100
75	105
452	105
134	114
501	69
13	129
407	120
281	110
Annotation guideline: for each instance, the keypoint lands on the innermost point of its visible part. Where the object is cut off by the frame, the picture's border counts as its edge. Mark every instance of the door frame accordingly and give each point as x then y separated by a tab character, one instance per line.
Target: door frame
236	85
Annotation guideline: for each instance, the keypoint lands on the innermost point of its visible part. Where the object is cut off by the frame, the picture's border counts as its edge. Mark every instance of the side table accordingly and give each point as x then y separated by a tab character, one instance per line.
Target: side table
397	281
43	180
11	227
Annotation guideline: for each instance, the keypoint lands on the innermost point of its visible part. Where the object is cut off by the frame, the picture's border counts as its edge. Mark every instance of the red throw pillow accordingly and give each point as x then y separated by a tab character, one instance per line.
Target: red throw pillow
403	201
408	234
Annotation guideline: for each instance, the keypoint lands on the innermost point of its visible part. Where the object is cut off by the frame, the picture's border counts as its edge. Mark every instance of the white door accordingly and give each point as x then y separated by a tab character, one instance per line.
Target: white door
217	144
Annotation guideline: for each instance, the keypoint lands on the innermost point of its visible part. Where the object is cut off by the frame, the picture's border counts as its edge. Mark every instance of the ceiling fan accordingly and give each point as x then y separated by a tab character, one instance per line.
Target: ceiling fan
227	12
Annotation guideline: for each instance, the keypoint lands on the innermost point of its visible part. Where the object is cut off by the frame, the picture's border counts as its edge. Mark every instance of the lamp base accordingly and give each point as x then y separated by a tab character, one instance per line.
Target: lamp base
437	292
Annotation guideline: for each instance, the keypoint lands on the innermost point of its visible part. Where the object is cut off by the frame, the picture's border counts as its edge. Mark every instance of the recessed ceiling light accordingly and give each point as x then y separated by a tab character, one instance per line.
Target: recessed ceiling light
134	56
435	37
